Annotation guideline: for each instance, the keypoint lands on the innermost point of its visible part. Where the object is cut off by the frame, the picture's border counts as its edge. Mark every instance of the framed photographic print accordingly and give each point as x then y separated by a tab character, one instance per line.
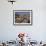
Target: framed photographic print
22	17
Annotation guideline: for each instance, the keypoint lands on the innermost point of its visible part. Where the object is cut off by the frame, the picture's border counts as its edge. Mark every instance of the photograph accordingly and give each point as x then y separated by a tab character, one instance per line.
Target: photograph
22	16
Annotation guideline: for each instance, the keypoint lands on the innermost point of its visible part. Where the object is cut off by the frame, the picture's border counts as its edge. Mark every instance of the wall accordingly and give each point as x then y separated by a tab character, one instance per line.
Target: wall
9	32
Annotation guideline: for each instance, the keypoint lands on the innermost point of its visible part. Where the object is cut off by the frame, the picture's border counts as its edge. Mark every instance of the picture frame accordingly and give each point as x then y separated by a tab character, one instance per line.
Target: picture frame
22	17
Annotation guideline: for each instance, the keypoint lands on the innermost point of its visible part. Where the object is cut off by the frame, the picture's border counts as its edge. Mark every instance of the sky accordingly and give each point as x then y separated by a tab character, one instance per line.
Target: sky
22	13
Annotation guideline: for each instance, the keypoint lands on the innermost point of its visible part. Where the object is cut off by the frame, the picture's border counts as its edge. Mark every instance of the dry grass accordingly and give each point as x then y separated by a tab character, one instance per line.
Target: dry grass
22	19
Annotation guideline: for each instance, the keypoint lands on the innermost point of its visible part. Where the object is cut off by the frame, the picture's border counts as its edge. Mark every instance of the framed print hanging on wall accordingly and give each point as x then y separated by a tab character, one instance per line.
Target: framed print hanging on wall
22	17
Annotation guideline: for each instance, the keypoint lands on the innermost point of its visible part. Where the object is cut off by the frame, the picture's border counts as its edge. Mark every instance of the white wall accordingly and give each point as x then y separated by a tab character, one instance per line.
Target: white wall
38	30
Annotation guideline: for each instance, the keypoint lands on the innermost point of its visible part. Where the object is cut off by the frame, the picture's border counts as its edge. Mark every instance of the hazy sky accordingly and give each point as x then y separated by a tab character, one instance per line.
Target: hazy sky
22	13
